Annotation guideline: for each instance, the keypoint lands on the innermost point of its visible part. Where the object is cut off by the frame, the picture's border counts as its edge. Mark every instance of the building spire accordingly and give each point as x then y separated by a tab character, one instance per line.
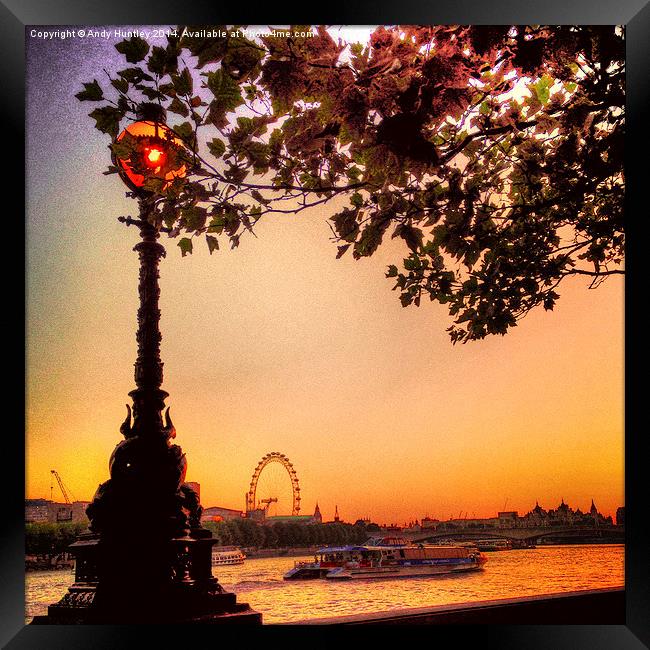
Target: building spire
336	513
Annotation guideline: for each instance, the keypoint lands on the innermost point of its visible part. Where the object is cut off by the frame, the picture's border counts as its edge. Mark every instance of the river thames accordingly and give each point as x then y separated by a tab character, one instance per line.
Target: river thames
507	574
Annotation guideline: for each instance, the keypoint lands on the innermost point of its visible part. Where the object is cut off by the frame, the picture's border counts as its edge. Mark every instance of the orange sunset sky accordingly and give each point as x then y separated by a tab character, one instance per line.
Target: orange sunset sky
278	346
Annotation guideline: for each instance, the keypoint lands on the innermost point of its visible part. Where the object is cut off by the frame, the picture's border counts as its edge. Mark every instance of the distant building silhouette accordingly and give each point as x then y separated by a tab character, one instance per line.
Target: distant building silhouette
562	516
259	515
217	513
427	522
44	511
620	516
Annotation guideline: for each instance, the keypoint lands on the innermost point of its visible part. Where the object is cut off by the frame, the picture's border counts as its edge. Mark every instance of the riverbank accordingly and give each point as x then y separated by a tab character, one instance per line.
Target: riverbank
62	563
280	552
56	563
67	563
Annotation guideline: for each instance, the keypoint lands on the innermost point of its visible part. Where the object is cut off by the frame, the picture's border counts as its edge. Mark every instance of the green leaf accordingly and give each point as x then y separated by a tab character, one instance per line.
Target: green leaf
208	50
242	57
341	250
194	216
345	224
167	89
107	119
227	96
154	184
122	85
369	240
259	197
151	93
412	236
185	130
92	92
543	89
213	243
258	154
178	107
157	62
235	174
185	246
549	300
471	285
169	214
217	147
134	49
275	141
134	75
353	173
183	82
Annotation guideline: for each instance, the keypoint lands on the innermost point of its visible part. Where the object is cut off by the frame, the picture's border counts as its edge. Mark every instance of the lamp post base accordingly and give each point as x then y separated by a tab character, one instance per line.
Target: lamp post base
119	595
226	611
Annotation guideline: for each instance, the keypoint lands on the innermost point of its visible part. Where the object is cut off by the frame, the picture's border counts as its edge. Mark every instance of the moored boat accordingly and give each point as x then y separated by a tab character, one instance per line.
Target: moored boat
494	545
387	558
223	555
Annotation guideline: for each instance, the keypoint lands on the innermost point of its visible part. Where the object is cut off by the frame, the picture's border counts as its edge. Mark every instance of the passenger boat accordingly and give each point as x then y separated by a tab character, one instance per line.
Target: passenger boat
222	555
387	558
494	545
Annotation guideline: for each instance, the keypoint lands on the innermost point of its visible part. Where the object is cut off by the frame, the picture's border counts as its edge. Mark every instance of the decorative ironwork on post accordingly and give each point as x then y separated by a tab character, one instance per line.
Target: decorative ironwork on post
147	558
148	398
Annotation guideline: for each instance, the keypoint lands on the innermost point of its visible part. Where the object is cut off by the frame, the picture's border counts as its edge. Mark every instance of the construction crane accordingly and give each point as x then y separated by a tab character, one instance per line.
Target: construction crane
268	502
60	482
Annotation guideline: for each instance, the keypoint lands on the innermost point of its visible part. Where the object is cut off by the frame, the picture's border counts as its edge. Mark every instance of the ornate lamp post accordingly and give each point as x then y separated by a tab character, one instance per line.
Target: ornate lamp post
147	559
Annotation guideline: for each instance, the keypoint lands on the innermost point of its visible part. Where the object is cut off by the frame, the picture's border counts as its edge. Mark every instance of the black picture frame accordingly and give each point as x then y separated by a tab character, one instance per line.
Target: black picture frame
15	15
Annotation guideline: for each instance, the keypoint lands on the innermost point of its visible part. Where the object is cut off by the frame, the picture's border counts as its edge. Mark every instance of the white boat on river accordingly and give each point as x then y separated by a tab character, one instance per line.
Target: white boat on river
224	555
387	558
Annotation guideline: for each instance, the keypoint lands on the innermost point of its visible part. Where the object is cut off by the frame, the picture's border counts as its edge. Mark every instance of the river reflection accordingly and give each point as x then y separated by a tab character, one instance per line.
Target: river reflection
507	574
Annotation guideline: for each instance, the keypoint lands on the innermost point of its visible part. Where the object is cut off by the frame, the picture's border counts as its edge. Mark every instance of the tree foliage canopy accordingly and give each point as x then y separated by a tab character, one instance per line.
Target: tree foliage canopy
494	153
247	533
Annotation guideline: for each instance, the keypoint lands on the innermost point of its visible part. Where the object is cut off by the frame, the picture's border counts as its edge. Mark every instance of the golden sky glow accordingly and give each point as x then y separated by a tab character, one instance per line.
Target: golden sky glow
278	346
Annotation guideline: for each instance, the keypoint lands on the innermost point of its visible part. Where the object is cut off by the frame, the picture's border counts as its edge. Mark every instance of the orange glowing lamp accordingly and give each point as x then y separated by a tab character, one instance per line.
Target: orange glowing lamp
154	153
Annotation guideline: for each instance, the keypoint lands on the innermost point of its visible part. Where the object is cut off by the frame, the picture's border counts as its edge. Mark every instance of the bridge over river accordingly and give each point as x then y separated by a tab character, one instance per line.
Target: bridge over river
608	534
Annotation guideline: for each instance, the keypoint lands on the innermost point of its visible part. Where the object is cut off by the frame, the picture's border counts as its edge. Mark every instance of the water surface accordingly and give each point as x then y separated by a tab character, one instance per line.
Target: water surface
507	574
